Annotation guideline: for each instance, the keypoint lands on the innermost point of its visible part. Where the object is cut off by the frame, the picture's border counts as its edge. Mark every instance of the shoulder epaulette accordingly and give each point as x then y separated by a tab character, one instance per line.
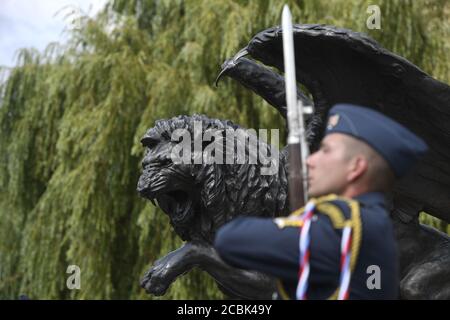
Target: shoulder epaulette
325	205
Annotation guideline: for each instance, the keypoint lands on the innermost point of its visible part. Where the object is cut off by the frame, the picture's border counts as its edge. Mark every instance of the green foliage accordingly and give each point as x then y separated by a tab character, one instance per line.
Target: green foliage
71	119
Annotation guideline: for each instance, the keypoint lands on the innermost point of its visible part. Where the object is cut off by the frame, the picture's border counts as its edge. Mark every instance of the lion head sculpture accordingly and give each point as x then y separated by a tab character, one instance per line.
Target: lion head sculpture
200	196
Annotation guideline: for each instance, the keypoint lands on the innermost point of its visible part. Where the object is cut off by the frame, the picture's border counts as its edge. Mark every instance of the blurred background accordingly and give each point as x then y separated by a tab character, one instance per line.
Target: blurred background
82	80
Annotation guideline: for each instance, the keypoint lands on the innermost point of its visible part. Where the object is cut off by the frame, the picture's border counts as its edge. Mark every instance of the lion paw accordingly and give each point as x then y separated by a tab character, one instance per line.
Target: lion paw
156	280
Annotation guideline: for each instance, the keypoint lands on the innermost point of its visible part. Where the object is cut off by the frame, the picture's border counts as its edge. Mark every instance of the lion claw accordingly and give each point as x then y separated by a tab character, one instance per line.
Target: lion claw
155	281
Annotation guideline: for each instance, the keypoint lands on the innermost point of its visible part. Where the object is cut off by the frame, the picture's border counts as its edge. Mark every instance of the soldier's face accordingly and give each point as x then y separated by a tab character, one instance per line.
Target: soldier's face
328	167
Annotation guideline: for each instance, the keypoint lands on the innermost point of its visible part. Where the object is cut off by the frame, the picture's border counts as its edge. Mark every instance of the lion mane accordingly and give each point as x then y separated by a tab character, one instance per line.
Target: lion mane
216	192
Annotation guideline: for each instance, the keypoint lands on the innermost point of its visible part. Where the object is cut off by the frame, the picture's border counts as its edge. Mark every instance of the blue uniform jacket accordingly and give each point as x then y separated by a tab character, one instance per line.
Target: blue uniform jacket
260	244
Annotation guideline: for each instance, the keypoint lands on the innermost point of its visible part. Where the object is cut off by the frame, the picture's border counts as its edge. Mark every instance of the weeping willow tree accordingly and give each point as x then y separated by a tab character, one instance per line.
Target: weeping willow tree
71	119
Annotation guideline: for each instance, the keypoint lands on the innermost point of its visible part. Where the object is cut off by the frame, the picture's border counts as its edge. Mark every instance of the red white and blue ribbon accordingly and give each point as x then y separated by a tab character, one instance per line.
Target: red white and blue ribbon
304	266
304	241
345	263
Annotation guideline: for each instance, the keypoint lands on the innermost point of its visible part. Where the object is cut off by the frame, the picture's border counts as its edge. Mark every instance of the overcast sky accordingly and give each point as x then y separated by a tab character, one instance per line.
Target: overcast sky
33	23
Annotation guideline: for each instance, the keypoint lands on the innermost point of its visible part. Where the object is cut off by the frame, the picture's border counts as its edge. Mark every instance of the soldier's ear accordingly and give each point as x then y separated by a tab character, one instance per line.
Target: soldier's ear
357	167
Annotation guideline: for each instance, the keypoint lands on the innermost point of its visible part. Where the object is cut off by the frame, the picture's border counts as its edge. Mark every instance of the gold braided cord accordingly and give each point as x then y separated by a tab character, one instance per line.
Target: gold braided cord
335	294
285	222
357	232
284	295
318	200
355	223
334	213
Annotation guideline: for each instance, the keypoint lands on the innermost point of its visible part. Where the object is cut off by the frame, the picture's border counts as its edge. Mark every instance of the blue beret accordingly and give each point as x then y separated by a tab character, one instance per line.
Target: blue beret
396	144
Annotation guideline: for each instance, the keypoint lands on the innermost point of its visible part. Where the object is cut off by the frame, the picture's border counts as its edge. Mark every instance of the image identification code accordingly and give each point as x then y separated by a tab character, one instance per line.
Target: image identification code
232	309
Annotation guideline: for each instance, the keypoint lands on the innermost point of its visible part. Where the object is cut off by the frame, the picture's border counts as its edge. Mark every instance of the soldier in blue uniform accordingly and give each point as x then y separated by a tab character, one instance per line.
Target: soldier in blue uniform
348	250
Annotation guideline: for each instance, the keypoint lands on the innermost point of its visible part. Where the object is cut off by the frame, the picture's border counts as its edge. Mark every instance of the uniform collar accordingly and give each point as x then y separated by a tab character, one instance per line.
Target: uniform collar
371	198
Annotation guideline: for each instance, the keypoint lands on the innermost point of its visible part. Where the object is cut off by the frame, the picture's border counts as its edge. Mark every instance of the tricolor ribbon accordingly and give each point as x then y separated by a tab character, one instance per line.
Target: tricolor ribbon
345	263
304	241
304	266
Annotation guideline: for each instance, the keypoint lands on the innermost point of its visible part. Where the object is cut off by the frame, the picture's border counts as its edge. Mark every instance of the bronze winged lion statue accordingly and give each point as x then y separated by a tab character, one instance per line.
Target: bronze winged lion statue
335	65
